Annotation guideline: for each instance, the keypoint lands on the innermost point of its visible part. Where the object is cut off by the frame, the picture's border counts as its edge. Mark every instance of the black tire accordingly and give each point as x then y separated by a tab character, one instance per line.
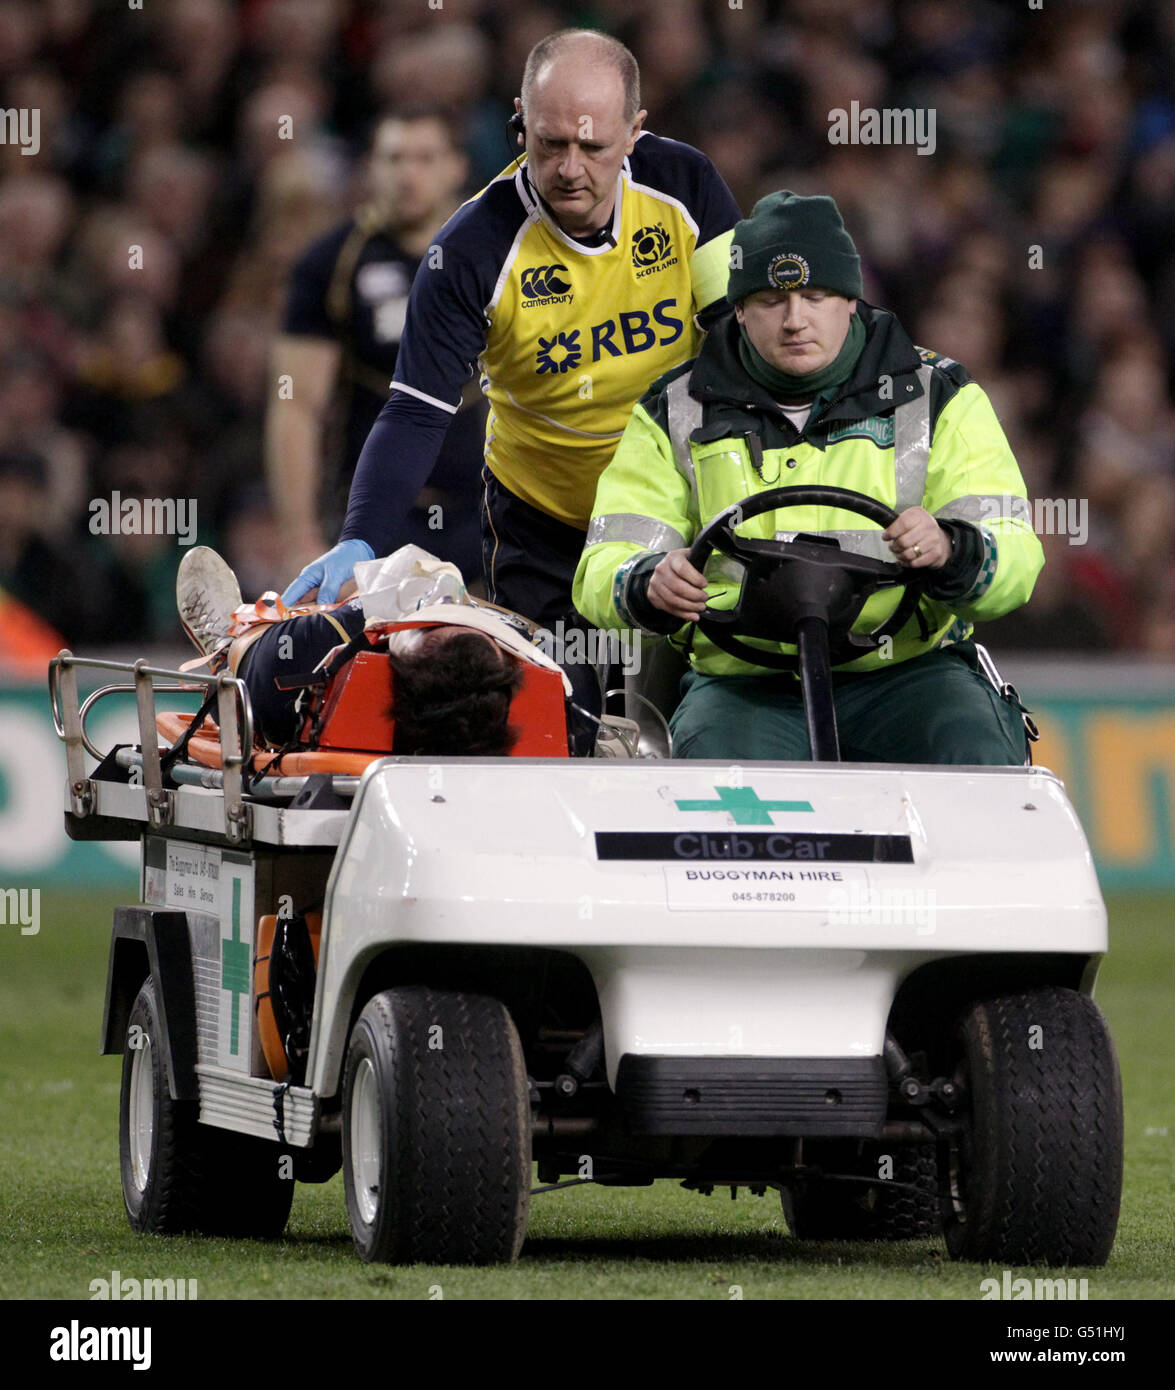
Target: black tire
1035	1177
903	1206
163	1170
182	1175
436	1130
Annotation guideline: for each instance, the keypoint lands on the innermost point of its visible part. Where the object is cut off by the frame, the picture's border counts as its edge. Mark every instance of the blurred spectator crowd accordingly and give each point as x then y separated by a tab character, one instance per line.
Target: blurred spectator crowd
1036	245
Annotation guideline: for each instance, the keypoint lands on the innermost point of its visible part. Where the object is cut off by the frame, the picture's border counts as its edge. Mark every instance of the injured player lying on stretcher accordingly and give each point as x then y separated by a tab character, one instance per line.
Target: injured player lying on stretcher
456	663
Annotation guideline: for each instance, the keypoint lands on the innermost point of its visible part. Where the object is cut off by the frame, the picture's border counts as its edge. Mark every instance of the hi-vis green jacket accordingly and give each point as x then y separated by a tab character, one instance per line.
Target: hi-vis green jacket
909	428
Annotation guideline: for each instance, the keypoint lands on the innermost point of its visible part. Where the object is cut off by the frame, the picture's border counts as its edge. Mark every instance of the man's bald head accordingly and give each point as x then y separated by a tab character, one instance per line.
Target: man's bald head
580	96
584	48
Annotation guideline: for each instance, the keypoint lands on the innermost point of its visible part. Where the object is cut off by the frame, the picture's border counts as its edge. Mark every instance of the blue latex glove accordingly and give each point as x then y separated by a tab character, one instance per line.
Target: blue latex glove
329	572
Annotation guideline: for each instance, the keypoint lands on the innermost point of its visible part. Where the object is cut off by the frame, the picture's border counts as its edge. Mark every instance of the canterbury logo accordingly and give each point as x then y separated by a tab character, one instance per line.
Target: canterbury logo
544	281
649	245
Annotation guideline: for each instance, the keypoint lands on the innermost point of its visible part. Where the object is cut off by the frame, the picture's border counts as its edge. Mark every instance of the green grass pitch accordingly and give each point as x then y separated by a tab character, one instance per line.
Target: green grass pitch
62	1222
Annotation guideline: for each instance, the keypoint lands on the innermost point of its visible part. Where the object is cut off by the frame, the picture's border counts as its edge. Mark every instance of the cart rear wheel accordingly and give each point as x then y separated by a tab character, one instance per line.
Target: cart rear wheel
178	1174
163	1173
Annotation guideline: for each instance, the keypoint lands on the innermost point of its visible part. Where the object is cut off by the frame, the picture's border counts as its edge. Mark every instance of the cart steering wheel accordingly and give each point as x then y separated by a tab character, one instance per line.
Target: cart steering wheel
807	577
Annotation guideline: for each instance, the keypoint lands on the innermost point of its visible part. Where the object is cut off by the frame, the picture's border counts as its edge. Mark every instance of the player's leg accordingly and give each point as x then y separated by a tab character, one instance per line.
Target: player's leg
268	657
284	652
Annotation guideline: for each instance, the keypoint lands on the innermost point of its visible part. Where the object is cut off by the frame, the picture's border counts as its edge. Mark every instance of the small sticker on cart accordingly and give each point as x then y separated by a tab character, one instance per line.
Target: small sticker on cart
762	888
193	878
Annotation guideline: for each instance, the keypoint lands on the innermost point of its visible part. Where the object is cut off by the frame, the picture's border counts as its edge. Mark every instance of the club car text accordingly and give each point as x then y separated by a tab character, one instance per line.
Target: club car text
701	844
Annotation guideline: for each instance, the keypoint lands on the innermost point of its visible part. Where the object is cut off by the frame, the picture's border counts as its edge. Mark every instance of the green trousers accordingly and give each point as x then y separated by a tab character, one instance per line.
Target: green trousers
937	708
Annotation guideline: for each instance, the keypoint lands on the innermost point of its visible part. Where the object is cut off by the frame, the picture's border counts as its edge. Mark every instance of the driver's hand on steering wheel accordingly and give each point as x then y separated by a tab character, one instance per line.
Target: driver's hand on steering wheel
676	587
916	539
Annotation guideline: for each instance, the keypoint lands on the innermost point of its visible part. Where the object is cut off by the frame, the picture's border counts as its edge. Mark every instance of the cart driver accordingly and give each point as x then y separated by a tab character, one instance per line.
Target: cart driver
803	382
455	679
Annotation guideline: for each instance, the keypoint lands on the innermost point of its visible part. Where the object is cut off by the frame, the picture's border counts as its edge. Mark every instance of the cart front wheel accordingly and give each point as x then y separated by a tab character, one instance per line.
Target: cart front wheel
436	1130
1035	1174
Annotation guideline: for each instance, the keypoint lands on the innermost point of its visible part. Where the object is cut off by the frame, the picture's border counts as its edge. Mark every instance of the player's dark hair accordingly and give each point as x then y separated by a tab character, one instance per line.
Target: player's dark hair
454	699
611	50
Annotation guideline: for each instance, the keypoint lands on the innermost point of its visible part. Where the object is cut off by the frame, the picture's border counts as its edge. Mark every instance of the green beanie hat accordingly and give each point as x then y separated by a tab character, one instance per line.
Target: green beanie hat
790	242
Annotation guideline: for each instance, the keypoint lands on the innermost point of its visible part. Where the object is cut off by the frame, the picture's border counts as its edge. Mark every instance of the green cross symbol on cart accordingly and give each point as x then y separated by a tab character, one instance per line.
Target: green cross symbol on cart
234	967
744	805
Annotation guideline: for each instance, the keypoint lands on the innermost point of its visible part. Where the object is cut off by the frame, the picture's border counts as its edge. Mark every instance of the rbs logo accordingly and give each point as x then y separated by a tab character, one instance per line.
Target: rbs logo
630	331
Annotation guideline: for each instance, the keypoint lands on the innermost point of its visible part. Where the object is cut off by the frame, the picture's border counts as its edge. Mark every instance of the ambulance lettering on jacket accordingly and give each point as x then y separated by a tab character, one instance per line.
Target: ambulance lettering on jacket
630	331
878	428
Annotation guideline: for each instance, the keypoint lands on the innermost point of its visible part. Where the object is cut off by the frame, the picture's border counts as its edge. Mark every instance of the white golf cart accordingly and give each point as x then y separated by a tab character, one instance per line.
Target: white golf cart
866	987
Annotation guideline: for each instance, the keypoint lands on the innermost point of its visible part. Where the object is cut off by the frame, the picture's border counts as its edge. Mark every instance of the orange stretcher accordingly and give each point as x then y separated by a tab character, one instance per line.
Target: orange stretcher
357	724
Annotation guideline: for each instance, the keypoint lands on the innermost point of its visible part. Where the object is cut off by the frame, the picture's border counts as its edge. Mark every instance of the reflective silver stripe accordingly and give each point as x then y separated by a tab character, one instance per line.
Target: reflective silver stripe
987	569
631	526
721	569
911	453
684	416
859	542
620	590
958	631
981	508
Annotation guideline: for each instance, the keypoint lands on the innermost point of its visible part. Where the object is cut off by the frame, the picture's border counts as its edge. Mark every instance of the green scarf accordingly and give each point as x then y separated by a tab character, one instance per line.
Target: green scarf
790	386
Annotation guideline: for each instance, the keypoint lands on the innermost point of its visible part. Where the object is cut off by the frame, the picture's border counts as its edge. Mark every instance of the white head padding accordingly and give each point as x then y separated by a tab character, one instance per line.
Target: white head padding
411	588
482	620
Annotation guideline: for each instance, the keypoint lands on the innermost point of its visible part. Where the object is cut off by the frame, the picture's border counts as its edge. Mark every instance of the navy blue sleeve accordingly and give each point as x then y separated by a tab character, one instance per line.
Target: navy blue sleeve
444	333
445	327
306	315
713	205
672	167
394	465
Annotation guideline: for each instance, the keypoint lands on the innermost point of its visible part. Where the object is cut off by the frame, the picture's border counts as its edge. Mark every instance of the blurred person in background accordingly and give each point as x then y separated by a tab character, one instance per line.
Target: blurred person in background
1075	606
1126	462
340	337
197	40
30	401
35	570
132	573
234	391
1157	627
248	535
676	59
36	211
445	66
276	118
124	364
103	263
147	116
